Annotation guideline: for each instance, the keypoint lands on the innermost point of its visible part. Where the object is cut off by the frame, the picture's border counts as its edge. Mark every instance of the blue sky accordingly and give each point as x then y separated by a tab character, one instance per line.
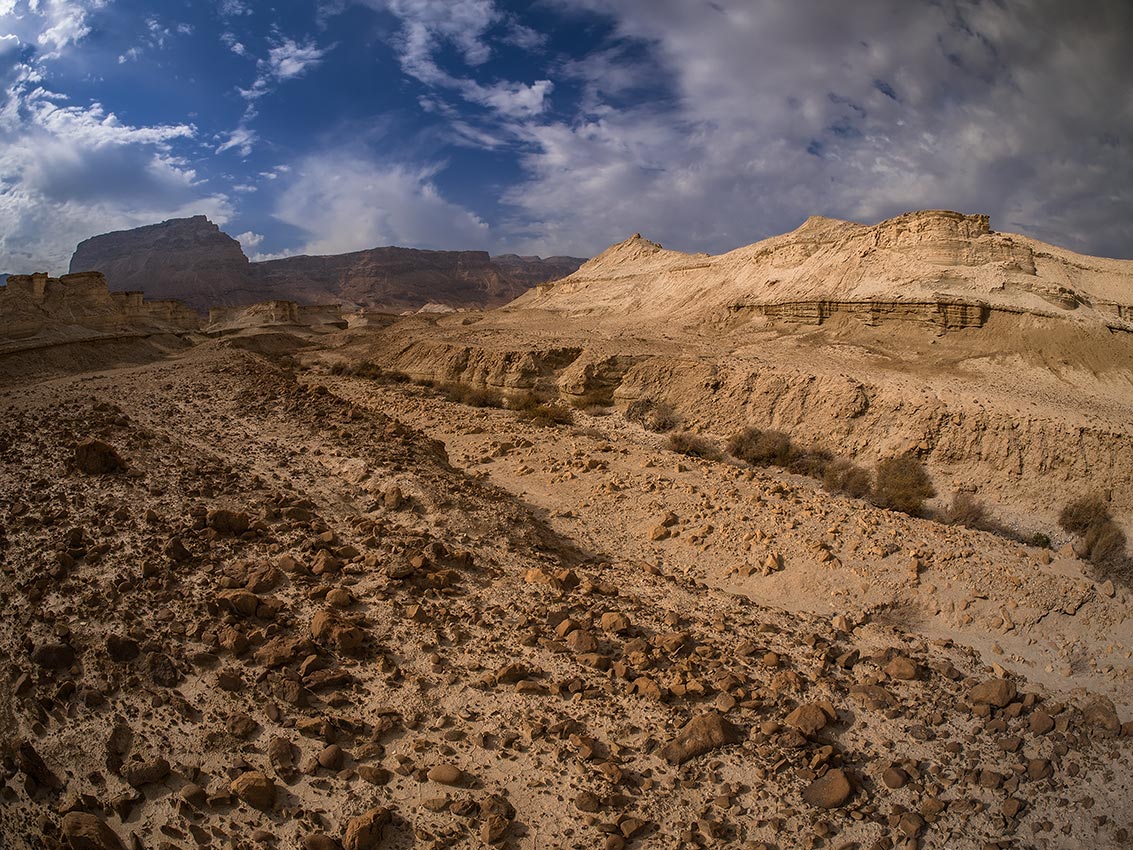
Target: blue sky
558	126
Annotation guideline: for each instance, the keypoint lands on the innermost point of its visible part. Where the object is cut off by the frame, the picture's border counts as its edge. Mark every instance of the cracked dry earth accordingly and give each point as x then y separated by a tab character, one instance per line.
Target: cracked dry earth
243	609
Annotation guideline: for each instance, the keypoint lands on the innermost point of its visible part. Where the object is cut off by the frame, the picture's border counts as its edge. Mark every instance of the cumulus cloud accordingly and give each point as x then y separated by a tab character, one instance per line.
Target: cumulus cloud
343	201
775	111
70	172
249	240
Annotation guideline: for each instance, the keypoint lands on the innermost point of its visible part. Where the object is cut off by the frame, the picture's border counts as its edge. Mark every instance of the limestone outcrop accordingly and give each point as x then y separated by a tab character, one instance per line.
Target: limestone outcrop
944	267
193	260
82	305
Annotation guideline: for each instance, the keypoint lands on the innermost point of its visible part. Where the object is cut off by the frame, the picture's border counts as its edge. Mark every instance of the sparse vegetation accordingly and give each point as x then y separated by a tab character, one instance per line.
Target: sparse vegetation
902	484
761	448
473	396
599	398
1103	541
1079	516
694	445
842	475
652	415
536	409
370	371
774	448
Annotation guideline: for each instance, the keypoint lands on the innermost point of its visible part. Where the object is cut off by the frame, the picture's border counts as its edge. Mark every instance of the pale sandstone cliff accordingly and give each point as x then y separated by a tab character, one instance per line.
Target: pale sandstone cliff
1005	363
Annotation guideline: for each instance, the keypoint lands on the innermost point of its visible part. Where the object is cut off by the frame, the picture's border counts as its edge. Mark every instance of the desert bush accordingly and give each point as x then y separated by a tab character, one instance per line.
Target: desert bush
547	413
813	462
844	476
472	396
1104	542
774	448
338	368
761	448
593	399
1079	515
652	415
902	484
964	509
694	445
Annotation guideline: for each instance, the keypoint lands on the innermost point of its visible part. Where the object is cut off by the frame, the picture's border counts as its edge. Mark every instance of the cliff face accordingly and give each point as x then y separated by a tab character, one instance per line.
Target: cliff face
932	262
34	306
191	259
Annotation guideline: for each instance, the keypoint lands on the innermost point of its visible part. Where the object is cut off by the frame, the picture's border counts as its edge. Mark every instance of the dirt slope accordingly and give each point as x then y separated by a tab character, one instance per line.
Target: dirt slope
267	611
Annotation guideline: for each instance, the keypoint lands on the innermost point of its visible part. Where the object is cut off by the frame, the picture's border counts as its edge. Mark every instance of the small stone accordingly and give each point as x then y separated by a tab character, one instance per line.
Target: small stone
94	457
255	789
1040	722
82	831
829	791
808	719
901	668
997	692
365	832
894	778
701	734
446	774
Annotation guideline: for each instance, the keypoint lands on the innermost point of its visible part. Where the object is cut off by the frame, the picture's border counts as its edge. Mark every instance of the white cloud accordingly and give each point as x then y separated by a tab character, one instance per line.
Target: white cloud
289	59
64	22
229	40
242	139
762	113
428	26
249	240
71	172
234	8
345	202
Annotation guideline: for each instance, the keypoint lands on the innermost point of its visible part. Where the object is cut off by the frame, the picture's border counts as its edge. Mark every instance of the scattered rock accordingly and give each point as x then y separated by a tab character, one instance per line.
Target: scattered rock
829	791
82	831
94	457
701	734
255	789
367	830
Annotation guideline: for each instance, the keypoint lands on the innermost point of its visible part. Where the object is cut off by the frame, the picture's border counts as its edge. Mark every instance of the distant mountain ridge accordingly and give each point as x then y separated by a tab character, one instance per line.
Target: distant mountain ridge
193	260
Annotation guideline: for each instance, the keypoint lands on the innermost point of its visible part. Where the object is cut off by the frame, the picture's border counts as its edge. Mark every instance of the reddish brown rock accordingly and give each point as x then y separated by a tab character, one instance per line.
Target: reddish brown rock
701	734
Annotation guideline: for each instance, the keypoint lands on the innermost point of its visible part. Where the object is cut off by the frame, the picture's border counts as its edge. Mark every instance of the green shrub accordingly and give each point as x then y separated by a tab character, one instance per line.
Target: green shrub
844	476
694	445
902	484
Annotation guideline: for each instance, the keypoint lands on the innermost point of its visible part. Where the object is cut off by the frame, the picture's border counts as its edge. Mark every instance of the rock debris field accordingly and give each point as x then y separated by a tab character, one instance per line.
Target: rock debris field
255	607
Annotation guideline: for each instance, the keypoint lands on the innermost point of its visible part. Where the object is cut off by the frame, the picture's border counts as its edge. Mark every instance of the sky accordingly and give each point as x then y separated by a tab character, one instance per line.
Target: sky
558	126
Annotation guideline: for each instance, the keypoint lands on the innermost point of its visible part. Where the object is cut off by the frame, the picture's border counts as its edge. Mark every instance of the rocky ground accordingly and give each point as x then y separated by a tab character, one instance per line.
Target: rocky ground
246	606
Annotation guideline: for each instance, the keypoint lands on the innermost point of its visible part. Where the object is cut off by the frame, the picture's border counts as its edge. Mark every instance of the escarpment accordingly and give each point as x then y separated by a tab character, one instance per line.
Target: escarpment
1004	363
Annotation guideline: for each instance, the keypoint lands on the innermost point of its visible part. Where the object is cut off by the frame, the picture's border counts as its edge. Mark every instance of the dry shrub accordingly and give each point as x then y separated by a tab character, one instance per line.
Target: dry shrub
1105	543
902	484
547	414
694	445
1079	515
761	448
844	476
599	398
538	410
472	396
966	510
655	416
774	448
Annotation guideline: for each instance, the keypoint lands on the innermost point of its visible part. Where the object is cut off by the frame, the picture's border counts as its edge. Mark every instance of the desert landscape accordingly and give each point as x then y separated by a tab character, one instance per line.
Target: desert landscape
617	564
566	425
